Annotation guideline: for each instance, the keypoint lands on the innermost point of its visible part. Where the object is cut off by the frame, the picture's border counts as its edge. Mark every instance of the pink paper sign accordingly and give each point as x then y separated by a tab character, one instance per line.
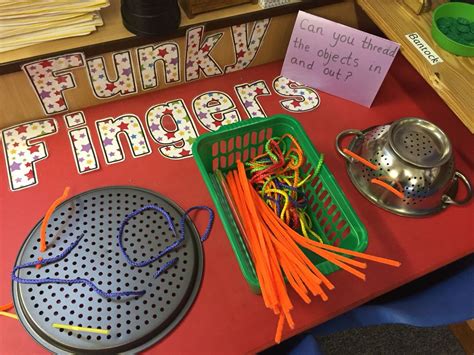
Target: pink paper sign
338	59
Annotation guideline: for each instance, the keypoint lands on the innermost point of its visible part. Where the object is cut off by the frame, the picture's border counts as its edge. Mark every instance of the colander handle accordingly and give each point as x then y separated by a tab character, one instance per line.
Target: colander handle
340	136
449	201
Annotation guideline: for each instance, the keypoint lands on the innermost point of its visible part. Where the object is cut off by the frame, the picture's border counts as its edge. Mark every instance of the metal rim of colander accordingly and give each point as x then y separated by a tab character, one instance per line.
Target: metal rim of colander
42	337
432	129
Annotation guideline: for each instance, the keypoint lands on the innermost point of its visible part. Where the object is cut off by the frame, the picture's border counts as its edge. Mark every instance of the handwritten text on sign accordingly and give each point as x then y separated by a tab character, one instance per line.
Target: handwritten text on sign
338	59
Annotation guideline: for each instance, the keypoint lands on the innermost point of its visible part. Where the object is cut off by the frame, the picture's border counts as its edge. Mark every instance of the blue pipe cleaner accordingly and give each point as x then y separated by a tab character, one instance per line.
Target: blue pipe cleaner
59	257
159	272
276	201
175	244
296	203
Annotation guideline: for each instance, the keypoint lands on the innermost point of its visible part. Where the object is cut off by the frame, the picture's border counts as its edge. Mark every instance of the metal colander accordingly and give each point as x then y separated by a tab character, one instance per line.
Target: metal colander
134	323
406	167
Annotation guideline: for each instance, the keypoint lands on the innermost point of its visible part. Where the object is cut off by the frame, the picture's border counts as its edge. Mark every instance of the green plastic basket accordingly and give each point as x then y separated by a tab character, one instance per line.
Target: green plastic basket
332	216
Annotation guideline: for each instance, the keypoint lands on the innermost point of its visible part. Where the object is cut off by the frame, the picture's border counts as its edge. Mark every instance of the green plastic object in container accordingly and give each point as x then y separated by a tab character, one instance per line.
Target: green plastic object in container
457	11
331	214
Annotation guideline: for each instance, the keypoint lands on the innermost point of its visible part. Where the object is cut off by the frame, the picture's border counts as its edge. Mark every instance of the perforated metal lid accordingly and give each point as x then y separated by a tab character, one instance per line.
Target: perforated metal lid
419	142
134	323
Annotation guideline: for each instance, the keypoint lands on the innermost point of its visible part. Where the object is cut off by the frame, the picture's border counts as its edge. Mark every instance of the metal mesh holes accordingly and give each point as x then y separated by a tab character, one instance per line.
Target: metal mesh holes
418	146
420	142
133	322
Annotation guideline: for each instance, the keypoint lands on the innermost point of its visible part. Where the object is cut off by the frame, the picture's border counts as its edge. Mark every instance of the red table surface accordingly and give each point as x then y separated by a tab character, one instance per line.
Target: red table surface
226	316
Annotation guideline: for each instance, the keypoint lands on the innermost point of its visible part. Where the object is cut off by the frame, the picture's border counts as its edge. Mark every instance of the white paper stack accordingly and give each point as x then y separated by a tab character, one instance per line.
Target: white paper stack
27	22
266	4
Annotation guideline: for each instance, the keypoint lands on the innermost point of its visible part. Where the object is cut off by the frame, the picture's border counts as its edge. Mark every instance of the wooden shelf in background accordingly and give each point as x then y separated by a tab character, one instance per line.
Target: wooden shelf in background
113	36
464	332
452	79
